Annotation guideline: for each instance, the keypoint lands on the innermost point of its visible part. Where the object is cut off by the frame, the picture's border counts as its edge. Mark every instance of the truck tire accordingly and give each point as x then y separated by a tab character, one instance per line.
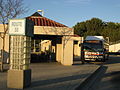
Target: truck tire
104	59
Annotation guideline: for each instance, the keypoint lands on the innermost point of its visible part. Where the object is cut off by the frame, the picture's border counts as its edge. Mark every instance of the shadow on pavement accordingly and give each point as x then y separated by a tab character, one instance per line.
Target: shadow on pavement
91	82
115	77
113	60
56	80
111	81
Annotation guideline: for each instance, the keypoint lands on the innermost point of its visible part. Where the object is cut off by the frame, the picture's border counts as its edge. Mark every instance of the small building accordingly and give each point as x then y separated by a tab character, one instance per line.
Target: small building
52	38
114	47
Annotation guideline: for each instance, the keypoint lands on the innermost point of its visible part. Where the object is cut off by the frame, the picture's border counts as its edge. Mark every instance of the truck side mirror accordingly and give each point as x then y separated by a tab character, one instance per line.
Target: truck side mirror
104	49
80	44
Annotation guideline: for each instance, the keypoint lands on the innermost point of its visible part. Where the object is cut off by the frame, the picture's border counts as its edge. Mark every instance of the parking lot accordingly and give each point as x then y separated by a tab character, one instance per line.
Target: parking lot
54	76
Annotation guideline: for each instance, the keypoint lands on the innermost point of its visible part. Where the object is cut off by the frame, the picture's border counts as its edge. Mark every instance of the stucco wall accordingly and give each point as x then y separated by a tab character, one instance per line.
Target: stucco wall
6	52
114	47
65	56
67	43
45	30
45	45
77	48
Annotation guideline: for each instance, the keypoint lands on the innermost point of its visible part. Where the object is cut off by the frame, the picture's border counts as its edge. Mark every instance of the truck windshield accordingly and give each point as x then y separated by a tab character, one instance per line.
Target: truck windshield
95	47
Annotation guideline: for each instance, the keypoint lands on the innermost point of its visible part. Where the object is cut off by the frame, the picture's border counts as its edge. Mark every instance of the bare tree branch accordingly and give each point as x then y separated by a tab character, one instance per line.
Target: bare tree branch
9	9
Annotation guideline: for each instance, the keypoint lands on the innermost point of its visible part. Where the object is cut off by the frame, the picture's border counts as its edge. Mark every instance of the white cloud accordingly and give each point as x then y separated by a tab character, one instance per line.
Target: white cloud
71	2
77	1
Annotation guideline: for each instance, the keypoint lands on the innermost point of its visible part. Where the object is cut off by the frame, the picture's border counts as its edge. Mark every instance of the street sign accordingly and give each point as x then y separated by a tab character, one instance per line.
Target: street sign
21	27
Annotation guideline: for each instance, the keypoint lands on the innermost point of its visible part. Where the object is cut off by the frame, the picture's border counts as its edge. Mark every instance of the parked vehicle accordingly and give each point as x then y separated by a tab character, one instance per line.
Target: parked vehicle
94	48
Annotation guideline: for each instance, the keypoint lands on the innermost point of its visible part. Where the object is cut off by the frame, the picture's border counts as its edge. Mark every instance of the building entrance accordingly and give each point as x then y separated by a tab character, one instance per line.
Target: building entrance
44	48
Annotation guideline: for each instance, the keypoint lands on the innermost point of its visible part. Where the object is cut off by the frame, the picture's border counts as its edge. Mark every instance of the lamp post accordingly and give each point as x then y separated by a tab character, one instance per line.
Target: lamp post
41	12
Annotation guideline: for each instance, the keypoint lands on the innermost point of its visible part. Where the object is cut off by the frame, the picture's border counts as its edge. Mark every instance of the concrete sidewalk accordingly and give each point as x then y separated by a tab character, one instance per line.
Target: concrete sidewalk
54	76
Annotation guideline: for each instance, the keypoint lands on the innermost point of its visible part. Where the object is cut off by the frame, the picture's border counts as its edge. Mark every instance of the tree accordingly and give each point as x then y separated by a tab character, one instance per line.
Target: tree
9	9
96	26
111	30
89	27
80	28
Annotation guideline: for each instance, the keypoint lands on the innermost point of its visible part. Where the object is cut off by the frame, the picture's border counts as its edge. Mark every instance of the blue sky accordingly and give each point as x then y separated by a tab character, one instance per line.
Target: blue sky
69	12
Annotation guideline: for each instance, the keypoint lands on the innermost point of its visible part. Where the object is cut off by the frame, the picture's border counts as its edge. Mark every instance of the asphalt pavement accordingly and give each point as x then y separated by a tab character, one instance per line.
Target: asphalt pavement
54	76
110	79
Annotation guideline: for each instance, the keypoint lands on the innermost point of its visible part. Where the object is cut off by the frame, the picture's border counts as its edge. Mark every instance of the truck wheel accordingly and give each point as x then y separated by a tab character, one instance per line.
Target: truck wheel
83	61
107	57
104	59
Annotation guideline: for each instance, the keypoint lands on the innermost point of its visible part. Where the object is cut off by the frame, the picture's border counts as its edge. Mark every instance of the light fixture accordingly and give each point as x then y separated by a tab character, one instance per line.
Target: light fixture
41	12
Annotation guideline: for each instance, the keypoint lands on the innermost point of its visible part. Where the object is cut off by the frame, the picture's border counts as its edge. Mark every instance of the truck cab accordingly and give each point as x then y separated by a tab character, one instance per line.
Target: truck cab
93	49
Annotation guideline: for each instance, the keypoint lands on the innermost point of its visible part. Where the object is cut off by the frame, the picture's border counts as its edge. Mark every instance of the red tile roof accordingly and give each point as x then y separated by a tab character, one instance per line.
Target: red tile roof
43	21
75	35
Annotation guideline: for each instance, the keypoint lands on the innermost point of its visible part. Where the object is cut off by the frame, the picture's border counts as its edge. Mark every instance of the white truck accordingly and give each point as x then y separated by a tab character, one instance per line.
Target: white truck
94	48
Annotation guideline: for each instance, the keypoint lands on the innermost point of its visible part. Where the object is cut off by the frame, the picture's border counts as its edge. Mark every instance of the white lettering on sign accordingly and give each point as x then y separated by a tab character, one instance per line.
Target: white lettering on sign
17	27
17	24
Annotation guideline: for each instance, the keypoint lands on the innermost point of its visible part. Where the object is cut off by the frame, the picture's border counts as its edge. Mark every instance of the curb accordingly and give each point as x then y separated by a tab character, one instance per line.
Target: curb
92	79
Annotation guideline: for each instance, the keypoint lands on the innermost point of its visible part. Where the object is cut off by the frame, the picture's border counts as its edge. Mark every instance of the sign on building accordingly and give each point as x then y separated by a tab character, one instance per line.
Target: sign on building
21	27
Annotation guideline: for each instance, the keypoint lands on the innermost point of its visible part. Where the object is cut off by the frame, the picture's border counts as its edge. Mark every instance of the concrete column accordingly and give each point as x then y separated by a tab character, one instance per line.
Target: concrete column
59	49
64	51
59	52
76	49
67	43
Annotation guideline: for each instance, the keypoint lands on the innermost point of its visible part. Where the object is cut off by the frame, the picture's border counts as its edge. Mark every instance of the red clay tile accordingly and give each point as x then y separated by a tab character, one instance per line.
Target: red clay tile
43	21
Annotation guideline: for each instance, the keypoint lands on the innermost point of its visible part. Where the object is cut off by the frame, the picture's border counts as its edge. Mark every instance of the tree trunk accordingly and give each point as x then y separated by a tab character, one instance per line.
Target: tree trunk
3	47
